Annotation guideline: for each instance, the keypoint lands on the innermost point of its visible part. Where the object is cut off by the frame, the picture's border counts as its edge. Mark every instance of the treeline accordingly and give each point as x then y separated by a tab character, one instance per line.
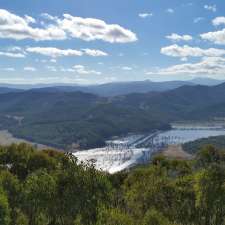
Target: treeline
194	146
51	188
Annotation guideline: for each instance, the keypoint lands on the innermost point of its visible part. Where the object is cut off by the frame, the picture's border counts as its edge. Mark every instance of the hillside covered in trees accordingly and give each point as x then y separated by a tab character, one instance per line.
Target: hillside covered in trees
194	146
50	188
59	119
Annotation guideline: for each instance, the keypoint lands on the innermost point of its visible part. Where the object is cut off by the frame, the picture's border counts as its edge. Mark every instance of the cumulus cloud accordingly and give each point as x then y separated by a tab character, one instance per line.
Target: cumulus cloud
88	29
29	68
94	52
56	52
188	51
10	69
15	49
208	65
219	21
83	70
177	37
170	10
12	54
16	27
217	37
48	16
127	68
212	8
145	15
51	68
198	19
70	70
29	19
53	60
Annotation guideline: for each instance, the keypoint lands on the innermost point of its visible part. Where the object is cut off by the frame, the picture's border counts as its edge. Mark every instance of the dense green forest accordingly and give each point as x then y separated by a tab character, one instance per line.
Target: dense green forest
51	188
194	146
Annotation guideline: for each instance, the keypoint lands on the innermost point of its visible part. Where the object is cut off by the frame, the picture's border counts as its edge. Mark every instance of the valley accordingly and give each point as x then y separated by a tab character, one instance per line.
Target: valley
66	119
126	152
116	132
112	112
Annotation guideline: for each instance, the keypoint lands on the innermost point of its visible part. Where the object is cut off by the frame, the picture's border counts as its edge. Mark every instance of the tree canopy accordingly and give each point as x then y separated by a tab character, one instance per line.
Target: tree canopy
52	188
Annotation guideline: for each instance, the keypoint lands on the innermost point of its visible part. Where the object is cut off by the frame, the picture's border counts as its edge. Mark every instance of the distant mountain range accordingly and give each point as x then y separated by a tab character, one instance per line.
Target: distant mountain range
61	118
113	89
4	90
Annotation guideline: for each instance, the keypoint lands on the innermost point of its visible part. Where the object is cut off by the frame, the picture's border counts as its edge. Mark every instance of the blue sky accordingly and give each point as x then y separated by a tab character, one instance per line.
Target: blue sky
98	41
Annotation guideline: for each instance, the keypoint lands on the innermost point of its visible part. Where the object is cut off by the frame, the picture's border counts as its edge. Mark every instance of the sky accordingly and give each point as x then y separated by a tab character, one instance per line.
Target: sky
99	41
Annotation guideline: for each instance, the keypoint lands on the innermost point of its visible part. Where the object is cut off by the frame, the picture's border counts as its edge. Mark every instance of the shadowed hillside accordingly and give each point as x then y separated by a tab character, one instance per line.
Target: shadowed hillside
62	118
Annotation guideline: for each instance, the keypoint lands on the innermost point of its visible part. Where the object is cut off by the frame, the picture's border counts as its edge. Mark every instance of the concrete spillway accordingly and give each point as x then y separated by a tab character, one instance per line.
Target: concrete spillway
123	153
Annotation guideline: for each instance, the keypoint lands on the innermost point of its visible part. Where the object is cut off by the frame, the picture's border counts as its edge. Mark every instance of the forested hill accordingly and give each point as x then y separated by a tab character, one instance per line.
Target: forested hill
50	188
62	118
186	102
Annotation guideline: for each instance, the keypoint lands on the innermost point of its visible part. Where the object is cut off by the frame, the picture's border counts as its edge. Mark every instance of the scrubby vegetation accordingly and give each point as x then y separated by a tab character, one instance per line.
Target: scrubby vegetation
50	188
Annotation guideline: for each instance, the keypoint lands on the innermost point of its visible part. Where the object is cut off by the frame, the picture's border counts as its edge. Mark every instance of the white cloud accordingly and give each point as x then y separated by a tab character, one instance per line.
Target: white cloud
29	68
56	52
15	49
83	70
198	19
12	54
217	37
212	8
16	27
184	59
145	15
49	17
70	70
90	29
170	10
208	65
51	68
29	19
127	68
53	60
188	4
10	69
219	21
177	37
187	51
94	52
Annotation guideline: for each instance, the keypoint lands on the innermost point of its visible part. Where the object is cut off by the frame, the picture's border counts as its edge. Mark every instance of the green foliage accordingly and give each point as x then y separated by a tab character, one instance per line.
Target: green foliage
152	217
114	217
4	209
51	188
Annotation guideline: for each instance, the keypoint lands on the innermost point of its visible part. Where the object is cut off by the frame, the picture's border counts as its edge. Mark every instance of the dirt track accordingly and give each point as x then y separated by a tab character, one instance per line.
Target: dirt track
176	151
